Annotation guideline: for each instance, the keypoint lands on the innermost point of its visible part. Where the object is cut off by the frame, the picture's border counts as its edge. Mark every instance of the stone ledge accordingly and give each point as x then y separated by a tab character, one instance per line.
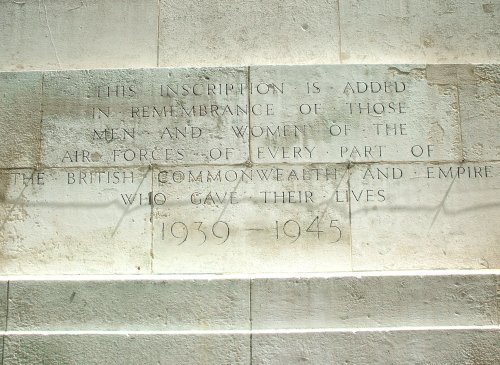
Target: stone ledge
129	305
374	301
269	331
430	347
244	302
127	349
437	346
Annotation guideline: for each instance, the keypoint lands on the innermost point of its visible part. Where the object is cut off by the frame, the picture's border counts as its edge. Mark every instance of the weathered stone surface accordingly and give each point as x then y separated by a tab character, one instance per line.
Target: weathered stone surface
74	221
3	304
250	219
20	105
432	347
433	216
498	297
55	34
240	32
256	169
373	301
409	32
144	117
161	304
65	34
479	88
355	113
163	349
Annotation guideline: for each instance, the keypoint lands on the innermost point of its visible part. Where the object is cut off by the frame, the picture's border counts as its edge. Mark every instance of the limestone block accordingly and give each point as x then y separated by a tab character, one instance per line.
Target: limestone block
355	113
160	304
58	221
406	31
197	33
62	34
266	218
373	301
426	346
3	304
20	103
144	117
432	216
479	110
163	349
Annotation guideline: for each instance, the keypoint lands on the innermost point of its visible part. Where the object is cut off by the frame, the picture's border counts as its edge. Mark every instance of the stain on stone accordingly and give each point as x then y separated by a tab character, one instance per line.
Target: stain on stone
428	42
417	73
344	56
443	74
489	8
487	73
95	156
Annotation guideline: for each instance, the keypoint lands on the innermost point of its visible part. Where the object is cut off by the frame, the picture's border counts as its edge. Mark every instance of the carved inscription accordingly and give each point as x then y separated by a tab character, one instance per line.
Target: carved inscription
262	169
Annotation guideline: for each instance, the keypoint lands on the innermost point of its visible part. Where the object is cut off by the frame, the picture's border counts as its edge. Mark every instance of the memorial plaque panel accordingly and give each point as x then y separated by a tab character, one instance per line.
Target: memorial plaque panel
356	113
257	169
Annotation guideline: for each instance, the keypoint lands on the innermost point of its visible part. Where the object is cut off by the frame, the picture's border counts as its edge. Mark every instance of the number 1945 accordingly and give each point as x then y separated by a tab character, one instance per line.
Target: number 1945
316	230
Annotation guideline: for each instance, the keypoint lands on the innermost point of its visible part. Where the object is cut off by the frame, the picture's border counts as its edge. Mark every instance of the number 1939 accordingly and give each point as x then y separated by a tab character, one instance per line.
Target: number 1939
196	231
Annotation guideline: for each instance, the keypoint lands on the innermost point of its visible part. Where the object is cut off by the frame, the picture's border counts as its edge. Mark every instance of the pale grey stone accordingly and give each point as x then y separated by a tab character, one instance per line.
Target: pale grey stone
498	297
196	33
395	31
434	216
66	34
75	221
352	113
374	301
133	349
479	110
442	74
20	118
266	218
134	117
3	304
201	304
416	347
226	222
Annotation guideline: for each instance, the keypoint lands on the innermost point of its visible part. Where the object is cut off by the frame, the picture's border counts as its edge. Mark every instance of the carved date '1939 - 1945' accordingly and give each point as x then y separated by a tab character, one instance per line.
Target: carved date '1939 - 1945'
290	230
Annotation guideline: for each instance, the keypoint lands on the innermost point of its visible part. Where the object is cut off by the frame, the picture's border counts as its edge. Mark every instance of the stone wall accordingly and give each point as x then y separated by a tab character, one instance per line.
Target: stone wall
56	34
249	182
